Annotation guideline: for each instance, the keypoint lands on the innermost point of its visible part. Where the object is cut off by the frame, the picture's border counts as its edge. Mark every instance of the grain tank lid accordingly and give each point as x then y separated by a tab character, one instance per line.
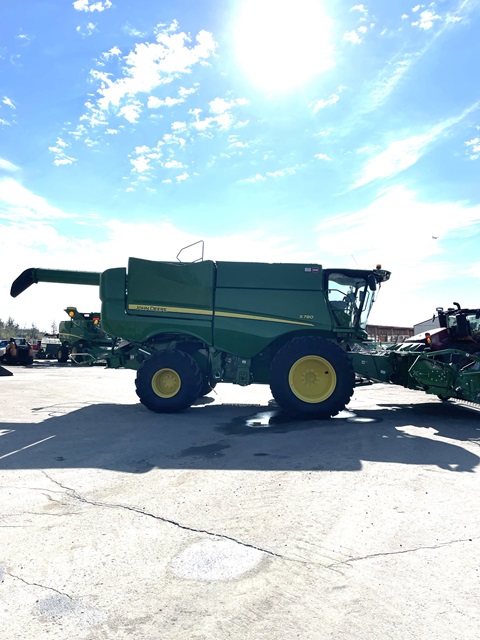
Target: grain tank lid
32	276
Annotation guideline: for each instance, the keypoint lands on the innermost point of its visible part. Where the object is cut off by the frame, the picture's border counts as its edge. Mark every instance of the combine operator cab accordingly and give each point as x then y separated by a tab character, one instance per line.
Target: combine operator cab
351	294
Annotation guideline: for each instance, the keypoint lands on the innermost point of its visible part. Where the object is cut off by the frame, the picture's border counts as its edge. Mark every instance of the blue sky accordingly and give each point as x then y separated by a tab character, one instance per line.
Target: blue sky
274	130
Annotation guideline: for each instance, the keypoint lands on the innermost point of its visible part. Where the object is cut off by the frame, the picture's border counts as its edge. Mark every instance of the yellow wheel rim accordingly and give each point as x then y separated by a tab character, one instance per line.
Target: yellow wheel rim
166	383
312	379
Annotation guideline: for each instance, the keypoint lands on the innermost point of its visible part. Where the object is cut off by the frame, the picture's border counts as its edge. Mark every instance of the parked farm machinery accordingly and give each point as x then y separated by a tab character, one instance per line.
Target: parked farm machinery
184	327
187	326
82	338
444	361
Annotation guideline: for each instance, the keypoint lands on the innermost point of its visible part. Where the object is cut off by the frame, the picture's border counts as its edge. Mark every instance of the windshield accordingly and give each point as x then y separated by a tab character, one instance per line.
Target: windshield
472	318
350	299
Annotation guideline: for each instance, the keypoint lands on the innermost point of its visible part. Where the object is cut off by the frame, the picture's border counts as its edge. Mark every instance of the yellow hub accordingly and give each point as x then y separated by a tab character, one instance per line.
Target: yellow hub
312	379
166	383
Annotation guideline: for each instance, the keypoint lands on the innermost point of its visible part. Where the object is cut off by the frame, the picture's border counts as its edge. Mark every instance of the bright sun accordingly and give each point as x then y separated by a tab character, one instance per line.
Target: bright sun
281	44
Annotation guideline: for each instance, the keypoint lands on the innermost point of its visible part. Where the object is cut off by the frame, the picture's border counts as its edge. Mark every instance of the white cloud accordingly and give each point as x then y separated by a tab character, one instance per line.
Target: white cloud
140	164
352	36
6	165
150	65
182	177
322	156
17	203
427	19
321	104
397	67
131	112
154	102
361	8
144	156
183	92
403	153
8	102
86	5
279	173
425	270
223	118
61	158
173	164
473	151
113	52
221	105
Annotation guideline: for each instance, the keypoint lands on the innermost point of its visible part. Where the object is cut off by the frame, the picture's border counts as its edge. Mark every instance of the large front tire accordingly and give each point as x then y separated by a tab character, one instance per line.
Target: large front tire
169	381
313	377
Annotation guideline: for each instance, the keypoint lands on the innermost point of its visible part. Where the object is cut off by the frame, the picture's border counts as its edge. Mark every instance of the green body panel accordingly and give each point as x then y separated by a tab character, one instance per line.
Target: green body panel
239	308
257	303
140	314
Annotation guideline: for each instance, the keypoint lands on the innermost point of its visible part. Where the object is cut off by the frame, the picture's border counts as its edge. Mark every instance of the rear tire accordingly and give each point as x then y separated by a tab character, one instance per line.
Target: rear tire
313	377
169	381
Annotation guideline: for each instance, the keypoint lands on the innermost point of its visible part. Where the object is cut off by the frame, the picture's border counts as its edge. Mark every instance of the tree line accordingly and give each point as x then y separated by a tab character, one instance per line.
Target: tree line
11	329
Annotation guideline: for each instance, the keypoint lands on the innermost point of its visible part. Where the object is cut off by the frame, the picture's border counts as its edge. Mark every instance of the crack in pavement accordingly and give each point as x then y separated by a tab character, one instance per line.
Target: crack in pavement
396	553
224	536
36	584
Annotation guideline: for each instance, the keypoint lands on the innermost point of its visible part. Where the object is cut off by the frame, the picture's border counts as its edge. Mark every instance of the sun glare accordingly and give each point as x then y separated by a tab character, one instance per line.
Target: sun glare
282	44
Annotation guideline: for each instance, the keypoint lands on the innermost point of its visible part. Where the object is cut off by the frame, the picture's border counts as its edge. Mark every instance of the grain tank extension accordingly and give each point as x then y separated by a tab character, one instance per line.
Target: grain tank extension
187	326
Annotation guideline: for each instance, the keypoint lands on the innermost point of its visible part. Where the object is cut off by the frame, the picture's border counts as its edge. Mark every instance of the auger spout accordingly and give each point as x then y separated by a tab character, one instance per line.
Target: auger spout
32	276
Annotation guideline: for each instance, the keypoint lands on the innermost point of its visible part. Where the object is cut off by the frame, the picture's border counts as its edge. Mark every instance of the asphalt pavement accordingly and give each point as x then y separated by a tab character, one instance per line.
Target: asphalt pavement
230	520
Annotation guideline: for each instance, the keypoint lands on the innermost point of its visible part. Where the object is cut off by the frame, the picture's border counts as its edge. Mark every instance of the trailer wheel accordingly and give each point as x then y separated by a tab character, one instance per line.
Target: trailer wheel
62	354
168	381
312	376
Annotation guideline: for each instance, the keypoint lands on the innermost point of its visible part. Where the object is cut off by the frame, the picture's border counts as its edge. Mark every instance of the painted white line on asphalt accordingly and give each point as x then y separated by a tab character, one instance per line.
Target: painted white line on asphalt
27	447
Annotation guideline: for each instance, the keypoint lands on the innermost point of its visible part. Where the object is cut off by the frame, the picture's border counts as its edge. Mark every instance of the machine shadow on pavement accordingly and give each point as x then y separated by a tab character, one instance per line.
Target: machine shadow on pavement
131	439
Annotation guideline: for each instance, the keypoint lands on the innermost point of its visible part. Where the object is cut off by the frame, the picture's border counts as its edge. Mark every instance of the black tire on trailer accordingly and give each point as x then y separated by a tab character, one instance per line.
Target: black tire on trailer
62	354
169	381
311	376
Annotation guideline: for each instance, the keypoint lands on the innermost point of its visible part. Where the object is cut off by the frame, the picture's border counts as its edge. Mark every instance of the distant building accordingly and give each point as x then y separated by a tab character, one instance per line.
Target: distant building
385	333
426	325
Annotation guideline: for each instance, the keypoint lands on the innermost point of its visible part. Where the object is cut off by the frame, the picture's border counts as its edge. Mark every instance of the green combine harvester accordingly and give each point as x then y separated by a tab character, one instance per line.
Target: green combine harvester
82	338
300	328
